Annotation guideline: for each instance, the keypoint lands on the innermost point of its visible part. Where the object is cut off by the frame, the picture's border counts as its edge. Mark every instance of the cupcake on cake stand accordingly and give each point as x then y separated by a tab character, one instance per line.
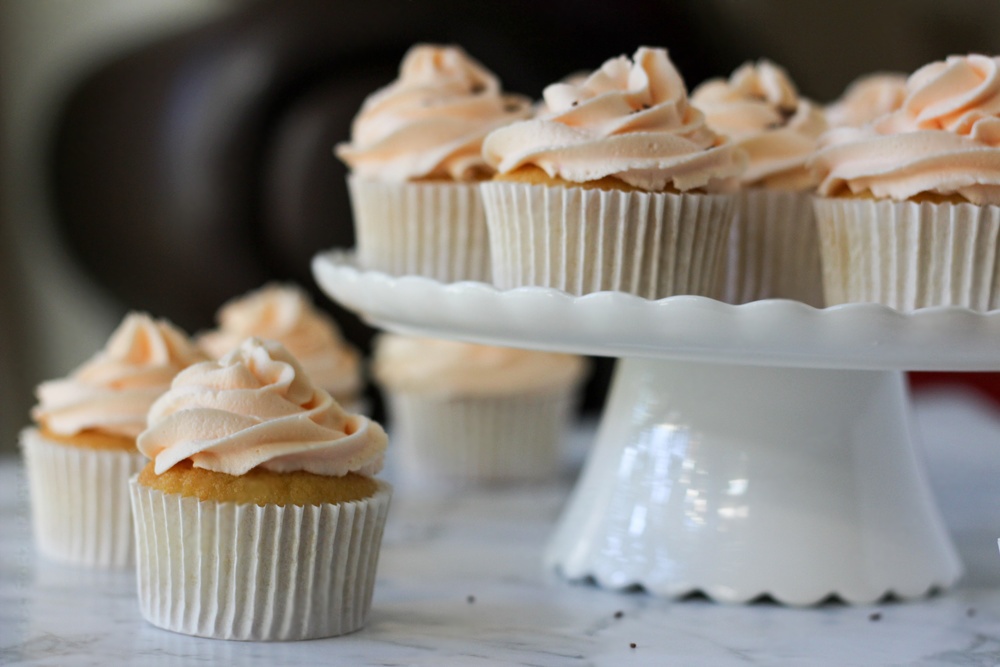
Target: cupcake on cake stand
745	451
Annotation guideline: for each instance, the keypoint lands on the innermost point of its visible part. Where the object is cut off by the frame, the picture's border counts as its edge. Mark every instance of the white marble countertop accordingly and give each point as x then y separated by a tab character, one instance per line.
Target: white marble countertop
461	583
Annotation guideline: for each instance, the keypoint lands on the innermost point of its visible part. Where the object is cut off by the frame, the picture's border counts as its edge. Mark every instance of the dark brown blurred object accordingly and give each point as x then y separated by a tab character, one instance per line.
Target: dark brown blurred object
986	385
198	167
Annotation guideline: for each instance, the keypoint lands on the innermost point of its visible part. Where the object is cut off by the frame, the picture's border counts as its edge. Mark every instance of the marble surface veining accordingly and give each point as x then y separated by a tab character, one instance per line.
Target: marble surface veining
461	583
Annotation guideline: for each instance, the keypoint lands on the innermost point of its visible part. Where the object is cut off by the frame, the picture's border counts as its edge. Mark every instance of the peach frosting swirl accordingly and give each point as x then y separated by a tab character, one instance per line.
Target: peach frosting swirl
112	392
449	368
760	110
286	314
630	120
944	139
430	123
256	407
866	99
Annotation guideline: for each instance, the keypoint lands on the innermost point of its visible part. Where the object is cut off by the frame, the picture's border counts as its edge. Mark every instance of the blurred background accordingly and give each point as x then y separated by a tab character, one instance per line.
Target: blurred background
166	155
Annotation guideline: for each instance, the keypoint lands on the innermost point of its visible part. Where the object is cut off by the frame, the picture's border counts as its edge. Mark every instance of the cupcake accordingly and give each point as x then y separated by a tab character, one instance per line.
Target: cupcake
415	160
469	413
773	251
286	314
613	187
258	517
909	213
82	452
866	99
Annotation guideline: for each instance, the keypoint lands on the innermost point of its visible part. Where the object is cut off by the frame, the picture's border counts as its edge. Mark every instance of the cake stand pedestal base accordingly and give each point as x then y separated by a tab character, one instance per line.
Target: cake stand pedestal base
742	481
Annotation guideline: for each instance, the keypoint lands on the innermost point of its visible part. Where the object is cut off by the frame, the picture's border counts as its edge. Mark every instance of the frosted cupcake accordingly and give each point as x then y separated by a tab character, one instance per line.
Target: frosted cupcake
610	189
910	210
258	517
415	159
773	250
866	99
286	314
82	452
472	413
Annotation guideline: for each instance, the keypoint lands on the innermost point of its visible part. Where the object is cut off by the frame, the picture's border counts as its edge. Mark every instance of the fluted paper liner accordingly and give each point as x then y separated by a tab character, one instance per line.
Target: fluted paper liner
231	571
431	229
79	501
773	249
489	438
653	245
909	255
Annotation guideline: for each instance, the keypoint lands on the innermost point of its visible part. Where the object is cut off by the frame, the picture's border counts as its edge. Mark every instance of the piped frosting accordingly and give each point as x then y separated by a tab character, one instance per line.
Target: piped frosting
112	392
630	120
430	122
256	407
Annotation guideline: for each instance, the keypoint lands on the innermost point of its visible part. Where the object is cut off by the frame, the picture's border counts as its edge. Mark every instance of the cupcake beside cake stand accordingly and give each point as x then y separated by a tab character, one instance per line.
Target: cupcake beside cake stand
744	451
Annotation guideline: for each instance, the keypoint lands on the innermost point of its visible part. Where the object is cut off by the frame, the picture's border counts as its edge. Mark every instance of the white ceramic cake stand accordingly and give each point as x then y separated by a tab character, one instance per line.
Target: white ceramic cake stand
744	451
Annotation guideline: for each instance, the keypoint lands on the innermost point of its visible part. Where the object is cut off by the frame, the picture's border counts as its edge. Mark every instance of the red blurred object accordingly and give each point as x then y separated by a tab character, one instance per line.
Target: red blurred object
988	384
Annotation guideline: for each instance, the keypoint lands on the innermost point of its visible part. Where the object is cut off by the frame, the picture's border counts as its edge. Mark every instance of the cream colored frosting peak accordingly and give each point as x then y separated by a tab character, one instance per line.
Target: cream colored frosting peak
954	94
112	392
286	314
431	121
449	368
866	99
755	96
759	109
944	139
630	120
256	407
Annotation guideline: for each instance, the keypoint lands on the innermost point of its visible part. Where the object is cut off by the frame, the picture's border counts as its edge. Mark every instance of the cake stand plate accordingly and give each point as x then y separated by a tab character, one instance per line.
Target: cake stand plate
745	451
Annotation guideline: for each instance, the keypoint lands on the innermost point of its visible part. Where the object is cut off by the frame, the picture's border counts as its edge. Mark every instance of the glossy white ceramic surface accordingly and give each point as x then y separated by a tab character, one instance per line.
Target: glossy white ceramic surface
751	450
744	481
774	332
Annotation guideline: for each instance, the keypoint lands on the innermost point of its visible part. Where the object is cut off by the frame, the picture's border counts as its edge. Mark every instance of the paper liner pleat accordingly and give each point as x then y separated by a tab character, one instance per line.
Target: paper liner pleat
247	572
909	255
773	249
79	501
437	230
653	245
506	438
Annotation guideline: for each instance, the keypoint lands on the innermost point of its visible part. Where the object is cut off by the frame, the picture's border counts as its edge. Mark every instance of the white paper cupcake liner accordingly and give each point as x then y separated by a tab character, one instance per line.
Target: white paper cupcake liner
909	255
650	244
79	501
247	572
437	230
488	439
773	249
